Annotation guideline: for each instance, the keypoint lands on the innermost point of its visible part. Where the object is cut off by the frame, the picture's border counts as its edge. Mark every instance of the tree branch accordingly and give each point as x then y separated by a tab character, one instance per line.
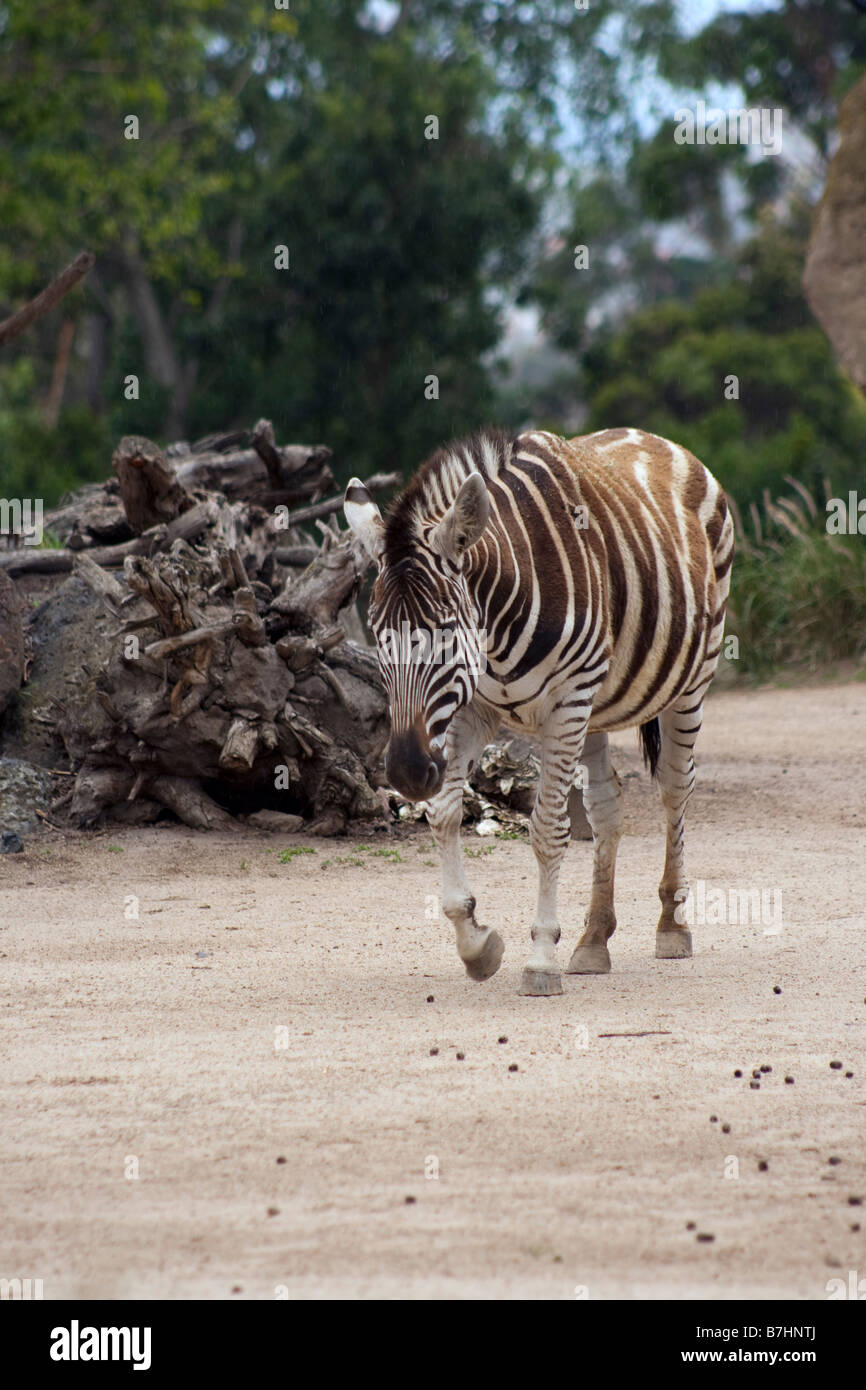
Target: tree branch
51	295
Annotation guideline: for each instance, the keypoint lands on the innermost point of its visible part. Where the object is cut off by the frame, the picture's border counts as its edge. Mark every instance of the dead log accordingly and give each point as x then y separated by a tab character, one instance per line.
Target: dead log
210	700
202	679
265	446
315	597
580	826
149	489
245	475
99	580
97	787
185	797
184	527
239	750
297	556
93	515
507	774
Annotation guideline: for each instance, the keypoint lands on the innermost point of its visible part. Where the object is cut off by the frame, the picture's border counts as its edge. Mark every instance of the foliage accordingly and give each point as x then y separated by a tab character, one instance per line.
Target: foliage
287	855
695	259
795	412
302	127
39	461
800	57
789	575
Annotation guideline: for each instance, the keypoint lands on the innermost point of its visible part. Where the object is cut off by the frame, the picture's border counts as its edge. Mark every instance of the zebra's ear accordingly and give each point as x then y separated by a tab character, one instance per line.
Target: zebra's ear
364	518
465	519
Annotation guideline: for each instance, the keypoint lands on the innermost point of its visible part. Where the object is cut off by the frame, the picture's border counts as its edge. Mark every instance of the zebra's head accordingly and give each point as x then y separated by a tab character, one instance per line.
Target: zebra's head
424	619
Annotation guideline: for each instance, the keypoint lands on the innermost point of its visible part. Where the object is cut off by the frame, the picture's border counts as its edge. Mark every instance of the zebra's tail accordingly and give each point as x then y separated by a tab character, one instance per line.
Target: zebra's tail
651	744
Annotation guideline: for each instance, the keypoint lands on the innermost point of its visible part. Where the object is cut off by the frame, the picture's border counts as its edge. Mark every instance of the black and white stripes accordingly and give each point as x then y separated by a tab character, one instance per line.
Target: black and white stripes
591	575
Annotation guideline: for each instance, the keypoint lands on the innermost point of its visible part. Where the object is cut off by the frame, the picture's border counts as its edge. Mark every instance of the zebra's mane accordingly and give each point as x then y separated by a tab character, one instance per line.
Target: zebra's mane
432	489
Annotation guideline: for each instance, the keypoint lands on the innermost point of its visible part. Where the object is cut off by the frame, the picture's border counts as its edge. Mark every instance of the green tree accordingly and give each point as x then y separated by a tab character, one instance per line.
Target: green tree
694	259
305	127
741	375
800	57
75	82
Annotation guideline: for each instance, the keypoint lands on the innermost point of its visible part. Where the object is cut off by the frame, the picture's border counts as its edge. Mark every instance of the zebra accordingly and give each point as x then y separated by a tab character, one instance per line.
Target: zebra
594	572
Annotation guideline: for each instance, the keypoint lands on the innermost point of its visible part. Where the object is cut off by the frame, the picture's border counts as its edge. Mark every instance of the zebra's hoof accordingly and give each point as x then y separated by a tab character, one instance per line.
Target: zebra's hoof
540	982
486	963
593	959
673	944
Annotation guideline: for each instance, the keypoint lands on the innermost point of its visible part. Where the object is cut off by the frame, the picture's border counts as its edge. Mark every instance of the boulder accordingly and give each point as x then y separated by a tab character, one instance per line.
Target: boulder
834	280
11	642
24	790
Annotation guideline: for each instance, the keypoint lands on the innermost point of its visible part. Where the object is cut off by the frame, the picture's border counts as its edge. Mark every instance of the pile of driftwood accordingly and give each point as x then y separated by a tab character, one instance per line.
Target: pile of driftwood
210	673
199	653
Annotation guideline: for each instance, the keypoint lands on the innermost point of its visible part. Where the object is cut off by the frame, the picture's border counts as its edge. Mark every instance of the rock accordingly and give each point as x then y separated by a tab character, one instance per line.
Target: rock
10	843
24	789
67	639
834	279
11	641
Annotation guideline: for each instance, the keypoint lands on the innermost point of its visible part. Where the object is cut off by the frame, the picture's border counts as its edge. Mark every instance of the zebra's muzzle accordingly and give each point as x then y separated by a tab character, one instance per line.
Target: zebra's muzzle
412	767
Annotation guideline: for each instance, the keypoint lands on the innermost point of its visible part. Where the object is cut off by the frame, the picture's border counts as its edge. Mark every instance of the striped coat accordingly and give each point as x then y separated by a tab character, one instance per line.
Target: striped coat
597	571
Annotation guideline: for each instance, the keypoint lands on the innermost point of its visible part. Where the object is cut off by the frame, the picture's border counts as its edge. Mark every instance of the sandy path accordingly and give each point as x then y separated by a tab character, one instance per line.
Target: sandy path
154	1039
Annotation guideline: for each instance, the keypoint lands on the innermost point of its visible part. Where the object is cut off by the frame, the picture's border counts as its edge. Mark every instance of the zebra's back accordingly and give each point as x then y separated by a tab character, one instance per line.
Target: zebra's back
613	547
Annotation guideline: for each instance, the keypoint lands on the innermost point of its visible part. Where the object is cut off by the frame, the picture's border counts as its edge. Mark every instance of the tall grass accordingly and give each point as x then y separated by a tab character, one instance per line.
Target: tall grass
798	594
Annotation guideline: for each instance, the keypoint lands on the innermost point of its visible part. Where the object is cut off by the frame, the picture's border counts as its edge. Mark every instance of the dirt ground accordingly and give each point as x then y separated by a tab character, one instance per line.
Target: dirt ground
257	1045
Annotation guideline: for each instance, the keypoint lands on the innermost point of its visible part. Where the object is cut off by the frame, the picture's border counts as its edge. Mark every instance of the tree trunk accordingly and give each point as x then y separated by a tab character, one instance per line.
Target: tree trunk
161	361
54	398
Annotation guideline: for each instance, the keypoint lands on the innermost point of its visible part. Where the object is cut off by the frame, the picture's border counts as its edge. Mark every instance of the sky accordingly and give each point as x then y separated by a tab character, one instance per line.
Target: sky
694	14
523	336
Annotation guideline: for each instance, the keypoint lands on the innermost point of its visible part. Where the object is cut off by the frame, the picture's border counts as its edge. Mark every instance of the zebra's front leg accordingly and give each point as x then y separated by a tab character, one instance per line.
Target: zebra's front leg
549	834
479	948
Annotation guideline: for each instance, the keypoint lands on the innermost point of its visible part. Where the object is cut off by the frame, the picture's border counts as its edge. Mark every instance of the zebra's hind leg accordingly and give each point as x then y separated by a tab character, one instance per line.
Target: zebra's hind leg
602	798
479	948
680	725
562	746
